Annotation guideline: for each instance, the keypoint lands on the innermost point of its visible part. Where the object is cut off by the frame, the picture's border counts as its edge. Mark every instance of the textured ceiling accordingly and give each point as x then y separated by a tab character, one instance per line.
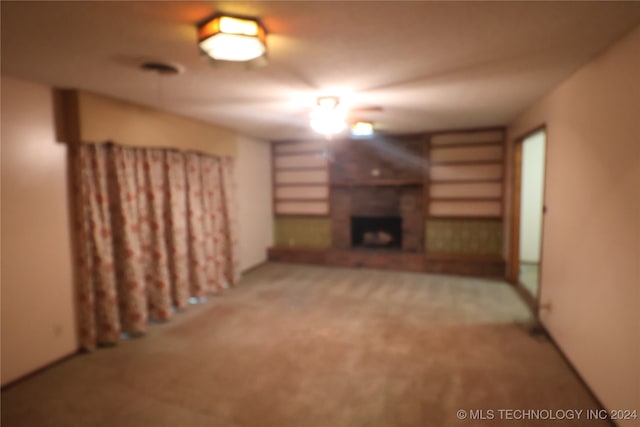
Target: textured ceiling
428	65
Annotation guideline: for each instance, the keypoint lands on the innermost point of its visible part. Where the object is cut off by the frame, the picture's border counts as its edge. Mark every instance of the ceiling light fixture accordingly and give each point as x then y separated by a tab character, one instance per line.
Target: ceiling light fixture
362	129
328	118
230	38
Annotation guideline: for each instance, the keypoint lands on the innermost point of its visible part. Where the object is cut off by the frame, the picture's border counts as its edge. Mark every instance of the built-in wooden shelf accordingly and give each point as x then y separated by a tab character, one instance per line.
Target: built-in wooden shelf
466	199
300	178
379	183
301	200
463	217
466	181
467	162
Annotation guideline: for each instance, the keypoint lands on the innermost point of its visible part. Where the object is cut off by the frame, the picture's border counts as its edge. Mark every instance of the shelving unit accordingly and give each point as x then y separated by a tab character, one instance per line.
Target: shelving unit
301	178
466	174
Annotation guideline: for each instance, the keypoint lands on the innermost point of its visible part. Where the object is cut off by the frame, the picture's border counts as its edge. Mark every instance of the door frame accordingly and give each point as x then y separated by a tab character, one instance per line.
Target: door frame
514	241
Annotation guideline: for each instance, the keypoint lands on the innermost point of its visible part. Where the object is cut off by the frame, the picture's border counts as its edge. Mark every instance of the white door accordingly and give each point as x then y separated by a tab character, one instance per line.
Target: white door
531	210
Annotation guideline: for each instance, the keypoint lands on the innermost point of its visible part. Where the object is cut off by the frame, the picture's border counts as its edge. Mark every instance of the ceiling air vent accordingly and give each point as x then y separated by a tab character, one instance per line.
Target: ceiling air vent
162	67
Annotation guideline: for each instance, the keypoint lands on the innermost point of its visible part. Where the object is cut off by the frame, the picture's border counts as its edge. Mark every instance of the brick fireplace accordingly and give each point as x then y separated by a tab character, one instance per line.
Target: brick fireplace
374	182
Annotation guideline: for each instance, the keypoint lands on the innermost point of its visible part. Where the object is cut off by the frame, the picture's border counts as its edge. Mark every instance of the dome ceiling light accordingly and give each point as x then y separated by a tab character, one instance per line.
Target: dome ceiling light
232	38
328	117
362	130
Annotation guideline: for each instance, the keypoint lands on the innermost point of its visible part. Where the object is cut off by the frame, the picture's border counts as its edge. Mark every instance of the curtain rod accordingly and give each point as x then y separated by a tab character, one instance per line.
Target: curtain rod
110	143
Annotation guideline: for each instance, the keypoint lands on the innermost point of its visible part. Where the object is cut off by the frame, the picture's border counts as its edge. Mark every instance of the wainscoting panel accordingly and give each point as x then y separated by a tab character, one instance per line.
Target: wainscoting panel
302	232
464	236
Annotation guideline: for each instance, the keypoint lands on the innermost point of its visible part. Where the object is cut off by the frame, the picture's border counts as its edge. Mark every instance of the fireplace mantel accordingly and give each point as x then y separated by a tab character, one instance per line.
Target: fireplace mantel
378	183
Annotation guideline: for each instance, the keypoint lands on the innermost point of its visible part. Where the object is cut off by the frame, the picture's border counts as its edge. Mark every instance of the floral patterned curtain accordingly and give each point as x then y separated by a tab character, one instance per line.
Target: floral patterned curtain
230	261
155	228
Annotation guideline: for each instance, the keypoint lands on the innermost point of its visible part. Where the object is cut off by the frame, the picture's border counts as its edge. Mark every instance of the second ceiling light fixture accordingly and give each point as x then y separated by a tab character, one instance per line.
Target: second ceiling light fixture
329	118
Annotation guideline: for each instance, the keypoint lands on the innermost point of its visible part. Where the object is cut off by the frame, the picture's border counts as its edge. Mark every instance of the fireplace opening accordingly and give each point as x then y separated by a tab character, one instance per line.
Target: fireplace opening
383	232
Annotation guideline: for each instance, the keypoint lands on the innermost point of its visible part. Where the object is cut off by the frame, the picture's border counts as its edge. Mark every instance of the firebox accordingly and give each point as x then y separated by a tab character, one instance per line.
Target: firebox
384	232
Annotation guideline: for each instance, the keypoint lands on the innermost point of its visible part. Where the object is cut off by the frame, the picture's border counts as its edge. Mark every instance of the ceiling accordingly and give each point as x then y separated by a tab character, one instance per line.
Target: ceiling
428	65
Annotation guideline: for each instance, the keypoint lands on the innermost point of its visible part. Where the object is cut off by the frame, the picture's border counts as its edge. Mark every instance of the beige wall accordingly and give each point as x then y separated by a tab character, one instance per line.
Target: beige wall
591	243
101	119
38	324
253	175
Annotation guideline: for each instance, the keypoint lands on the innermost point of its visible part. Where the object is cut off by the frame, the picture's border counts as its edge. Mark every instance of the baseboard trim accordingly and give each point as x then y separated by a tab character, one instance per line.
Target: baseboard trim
528	299
254	267
39	370
577	373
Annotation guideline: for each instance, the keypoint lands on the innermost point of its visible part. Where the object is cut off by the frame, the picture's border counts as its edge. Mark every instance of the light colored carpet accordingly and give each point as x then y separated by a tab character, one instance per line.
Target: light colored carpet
305	346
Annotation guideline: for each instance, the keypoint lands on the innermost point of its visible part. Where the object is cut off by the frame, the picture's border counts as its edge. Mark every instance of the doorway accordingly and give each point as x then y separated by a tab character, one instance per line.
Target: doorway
530	160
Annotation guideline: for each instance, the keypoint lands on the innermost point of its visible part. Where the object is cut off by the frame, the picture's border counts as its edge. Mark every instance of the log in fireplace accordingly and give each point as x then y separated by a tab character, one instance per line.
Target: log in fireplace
379	232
